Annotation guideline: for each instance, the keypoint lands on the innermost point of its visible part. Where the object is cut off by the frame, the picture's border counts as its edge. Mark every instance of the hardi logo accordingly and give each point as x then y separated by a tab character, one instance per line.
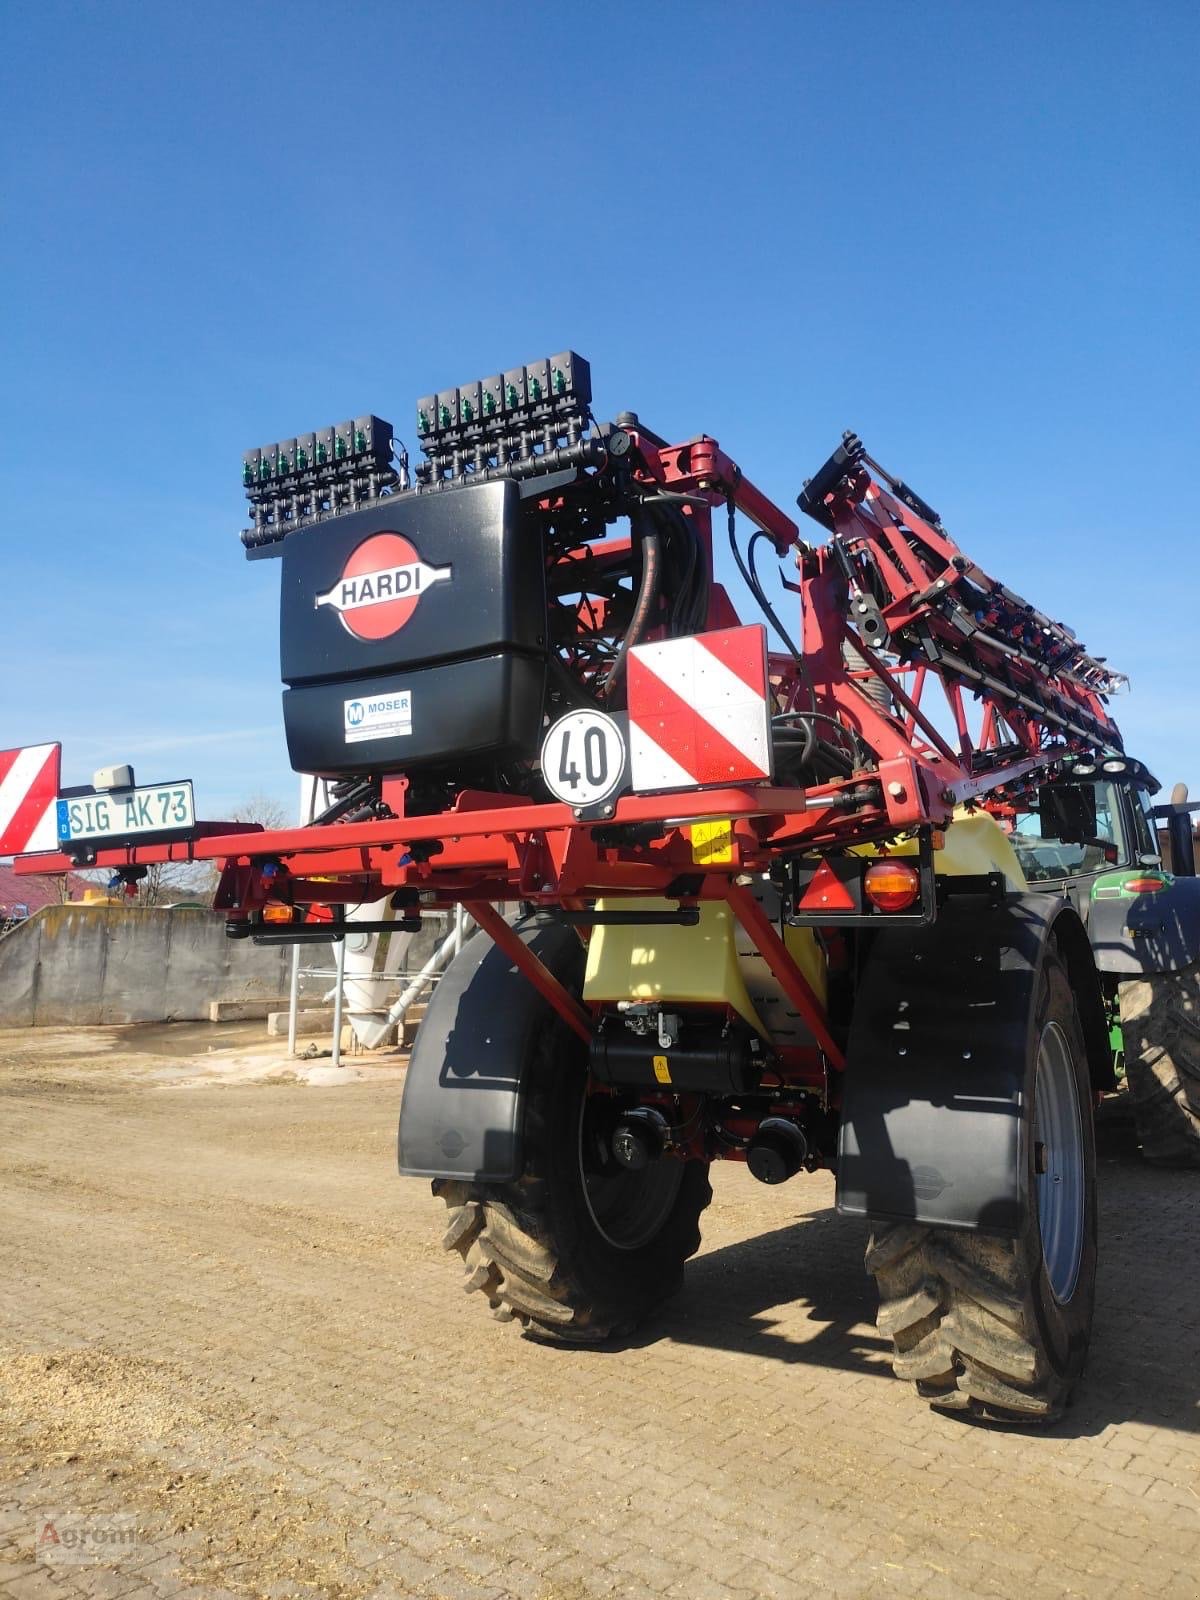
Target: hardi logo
380	586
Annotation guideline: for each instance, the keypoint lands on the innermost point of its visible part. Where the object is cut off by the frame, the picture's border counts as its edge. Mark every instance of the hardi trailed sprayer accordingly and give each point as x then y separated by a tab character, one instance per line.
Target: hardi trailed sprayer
743	903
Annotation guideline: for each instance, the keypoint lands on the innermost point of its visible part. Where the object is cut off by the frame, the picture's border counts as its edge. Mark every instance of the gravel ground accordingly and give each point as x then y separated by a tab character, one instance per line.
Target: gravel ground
229	1339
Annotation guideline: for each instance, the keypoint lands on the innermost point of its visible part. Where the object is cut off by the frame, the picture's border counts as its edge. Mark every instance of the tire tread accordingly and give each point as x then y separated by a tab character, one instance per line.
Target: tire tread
966	1345
969	1315
507	1234
1160	1019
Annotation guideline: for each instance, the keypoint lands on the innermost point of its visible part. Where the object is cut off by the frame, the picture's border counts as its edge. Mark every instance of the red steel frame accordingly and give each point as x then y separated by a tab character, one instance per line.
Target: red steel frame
496	847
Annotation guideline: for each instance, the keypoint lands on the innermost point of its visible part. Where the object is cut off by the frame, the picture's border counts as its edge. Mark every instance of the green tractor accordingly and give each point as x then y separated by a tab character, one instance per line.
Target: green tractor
1096	838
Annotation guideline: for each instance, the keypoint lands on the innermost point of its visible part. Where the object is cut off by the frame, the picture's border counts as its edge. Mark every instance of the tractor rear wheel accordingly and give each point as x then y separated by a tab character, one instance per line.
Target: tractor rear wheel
999	1328
1160	1020
579	1247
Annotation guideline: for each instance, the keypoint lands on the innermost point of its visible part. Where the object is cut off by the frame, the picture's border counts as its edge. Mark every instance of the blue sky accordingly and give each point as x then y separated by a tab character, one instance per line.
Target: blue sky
969	232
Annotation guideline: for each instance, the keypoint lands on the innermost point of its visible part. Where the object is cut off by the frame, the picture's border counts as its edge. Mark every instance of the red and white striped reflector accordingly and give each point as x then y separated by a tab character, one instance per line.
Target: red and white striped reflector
699	711
28	796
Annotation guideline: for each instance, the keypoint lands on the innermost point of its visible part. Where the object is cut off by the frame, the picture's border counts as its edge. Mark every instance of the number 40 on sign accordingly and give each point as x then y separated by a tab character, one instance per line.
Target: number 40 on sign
583	758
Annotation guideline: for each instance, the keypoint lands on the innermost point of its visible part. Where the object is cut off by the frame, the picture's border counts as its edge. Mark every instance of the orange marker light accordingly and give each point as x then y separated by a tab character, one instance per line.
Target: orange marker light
1143	885
891	885
275	912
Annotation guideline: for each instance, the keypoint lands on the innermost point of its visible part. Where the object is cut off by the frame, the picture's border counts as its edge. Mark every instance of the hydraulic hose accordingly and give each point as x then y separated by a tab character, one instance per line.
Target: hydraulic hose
647	599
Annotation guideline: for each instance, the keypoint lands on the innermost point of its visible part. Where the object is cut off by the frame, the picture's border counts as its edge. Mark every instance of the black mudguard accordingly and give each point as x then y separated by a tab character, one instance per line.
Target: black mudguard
1150	935
464	1094
935	1068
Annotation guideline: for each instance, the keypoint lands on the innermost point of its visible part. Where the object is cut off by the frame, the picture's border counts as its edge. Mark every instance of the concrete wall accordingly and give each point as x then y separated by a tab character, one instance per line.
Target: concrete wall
73	965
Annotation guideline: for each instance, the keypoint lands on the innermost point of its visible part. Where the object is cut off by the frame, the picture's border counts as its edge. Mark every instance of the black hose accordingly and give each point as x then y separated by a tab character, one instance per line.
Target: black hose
683	555
853	745
796	758
646	601
791	762
363	791
570	690
760	594
686	572
843	766
750	579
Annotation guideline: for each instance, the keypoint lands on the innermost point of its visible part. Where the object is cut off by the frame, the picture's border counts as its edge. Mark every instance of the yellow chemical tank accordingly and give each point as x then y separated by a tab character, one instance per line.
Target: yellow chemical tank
712	963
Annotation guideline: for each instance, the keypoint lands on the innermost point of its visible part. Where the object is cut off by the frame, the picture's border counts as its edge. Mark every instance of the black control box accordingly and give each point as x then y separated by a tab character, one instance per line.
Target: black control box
413	633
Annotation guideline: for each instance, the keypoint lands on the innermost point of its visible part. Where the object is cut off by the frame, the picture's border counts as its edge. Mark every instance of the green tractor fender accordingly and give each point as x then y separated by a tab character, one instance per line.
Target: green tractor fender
1144	923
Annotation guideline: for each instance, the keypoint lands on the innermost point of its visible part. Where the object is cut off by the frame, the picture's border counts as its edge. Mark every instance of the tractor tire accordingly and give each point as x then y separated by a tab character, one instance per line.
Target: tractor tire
999	1328
1160	1019
578	1248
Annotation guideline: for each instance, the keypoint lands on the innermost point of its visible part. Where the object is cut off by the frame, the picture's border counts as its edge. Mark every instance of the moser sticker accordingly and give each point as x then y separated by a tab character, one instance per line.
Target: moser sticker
378	716
381	586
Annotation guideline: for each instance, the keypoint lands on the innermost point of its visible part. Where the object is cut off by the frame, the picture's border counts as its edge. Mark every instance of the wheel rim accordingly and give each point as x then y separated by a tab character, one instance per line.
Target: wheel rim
1058	1135
627	1208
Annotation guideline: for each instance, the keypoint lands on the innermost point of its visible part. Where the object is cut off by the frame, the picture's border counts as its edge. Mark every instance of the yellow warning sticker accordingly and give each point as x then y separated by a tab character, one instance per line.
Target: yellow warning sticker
661	1070
712	842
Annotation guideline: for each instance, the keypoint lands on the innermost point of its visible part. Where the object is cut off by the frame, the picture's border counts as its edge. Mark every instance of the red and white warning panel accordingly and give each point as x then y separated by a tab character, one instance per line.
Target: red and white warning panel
699	711
28	799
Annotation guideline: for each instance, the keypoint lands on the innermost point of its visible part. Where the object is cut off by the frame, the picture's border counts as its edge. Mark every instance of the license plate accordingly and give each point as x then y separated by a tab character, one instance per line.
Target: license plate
127	813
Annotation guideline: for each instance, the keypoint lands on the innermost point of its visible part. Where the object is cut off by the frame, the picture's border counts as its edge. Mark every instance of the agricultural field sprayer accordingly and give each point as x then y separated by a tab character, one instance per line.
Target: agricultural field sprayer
859	887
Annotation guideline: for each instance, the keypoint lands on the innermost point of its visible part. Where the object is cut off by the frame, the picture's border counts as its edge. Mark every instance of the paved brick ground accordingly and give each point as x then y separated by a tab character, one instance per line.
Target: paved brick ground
223	1315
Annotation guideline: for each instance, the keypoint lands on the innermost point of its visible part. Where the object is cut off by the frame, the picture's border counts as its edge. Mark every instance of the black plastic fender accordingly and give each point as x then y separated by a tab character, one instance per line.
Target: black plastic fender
932	1114
1150	934
462	1111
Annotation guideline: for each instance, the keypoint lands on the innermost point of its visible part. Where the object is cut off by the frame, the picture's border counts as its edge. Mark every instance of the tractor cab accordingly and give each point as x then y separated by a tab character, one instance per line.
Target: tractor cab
1094	820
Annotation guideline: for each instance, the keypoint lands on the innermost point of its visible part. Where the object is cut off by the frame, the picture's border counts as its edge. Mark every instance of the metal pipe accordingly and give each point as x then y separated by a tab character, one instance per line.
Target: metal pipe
444	953
339	995
293	999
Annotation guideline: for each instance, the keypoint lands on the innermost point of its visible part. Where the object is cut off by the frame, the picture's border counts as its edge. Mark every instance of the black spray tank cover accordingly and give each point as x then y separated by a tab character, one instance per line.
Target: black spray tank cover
413	634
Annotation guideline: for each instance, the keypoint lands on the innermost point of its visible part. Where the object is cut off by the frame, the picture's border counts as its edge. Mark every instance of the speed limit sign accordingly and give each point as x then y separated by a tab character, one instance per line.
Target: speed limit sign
583	758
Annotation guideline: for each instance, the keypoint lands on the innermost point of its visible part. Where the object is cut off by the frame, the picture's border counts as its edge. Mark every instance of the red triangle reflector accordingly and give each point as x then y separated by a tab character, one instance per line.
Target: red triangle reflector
826	892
